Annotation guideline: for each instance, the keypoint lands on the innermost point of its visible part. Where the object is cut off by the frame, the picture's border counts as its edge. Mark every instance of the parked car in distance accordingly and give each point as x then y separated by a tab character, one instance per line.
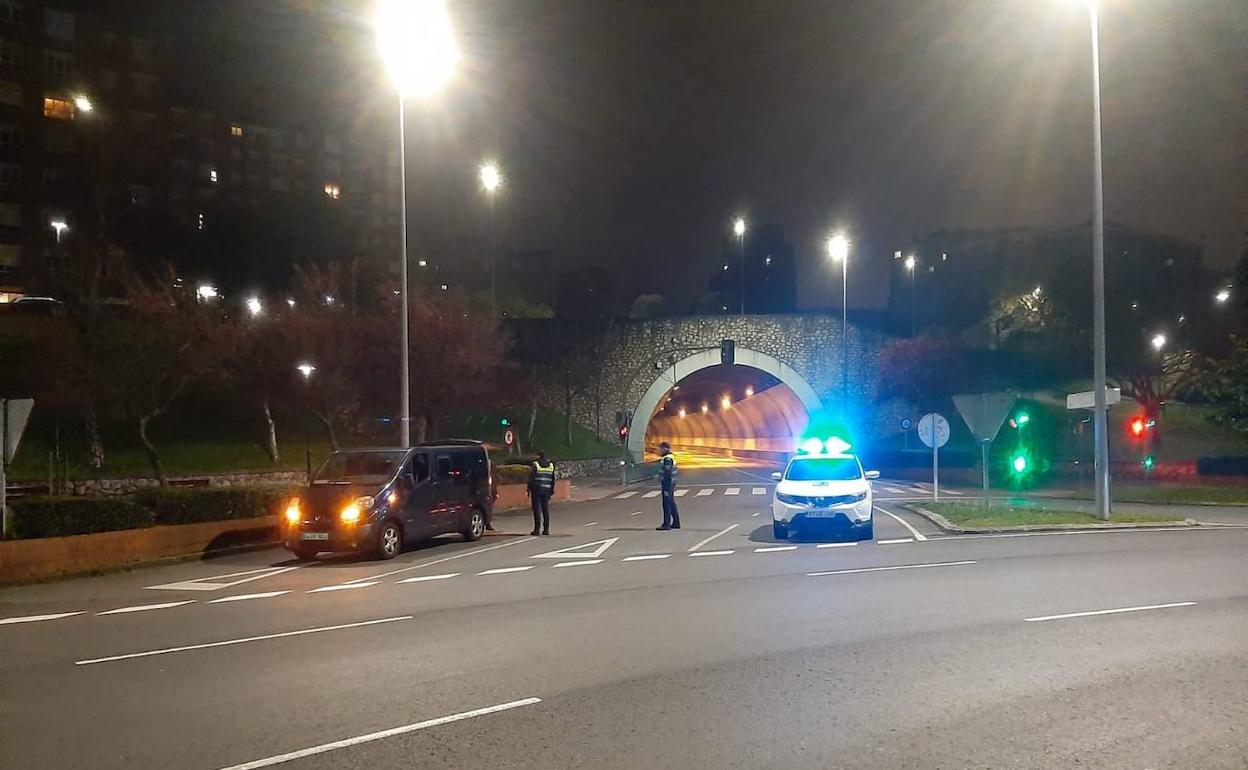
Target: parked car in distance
376	501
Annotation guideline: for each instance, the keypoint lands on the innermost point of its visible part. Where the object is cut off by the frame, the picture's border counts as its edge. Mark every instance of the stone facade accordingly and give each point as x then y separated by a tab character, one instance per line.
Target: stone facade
95	487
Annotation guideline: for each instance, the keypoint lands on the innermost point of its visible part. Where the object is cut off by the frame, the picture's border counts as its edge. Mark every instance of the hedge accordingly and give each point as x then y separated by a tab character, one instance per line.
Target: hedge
511	474
199	504
57	516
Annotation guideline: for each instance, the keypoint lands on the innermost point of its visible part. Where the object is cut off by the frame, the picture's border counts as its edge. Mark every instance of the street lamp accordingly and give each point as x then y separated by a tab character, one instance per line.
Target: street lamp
838	250
910	263
738	229
254	306
59	226
417	47
306	369
83	103
1158	341
1222	296
491	179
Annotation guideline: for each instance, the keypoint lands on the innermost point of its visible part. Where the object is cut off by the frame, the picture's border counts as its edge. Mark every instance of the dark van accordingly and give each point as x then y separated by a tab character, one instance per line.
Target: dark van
377	500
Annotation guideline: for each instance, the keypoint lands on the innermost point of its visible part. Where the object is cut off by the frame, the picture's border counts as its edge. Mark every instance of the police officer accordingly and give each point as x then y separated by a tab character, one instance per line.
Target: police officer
667	482
541	487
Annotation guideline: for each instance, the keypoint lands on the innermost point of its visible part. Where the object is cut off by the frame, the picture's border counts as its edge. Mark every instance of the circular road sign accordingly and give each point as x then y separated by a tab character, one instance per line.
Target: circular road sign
906	423
509	437
934	430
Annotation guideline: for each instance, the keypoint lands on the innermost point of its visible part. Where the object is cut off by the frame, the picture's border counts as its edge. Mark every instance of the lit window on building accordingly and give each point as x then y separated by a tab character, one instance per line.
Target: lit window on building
199	221
59	109
236	130
212	175
333	191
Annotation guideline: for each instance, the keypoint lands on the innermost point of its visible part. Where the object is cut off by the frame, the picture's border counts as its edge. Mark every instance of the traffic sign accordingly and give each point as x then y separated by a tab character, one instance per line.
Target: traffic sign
509	437
1087	399
906	423
933	430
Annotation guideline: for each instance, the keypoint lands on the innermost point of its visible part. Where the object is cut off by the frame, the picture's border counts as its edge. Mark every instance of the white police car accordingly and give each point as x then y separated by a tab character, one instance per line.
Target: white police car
824	486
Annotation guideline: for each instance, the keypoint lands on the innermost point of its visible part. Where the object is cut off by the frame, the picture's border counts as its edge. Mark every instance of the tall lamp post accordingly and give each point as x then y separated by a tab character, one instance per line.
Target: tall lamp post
417	46
491	179
838	250
910	265
738	229
306	370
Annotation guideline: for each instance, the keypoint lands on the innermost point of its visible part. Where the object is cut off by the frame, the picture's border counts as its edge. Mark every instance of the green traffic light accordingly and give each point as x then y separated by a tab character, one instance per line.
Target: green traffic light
1148	462
504	422
1019	464
1023	418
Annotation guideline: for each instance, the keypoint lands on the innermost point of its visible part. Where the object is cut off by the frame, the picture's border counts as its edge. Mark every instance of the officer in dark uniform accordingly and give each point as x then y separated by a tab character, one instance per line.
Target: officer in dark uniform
667	482
541	487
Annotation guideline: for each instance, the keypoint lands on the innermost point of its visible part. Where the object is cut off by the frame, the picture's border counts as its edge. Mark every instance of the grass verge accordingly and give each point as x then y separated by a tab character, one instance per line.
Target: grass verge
1012	514
1177	494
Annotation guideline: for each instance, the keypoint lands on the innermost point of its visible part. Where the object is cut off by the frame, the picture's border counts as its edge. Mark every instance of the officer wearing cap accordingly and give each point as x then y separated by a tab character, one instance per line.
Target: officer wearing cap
667	483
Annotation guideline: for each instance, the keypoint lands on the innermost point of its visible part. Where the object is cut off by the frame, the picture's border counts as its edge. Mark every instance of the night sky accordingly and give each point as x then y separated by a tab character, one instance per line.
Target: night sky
631	132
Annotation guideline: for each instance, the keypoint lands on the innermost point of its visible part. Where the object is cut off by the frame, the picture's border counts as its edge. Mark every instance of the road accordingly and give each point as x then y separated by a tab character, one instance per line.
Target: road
708	647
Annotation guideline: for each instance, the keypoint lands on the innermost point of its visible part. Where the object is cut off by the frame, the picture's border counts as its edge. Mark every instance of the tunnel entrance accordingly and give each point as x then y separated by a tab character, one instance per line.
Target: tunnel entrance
747	413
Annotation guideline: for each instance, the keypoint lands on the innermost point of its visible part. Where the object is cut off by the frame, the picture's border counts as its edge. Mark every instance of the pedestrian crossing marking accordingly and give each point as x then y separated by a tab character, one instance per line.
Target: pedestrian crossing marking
652	493
626	495
682	492
760	490
732	491
704	492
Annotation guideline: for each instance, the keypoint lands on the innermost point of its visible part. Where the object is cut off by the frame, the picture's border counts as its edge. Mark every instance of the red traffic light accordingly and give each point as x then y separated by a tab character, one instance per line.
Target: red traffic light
623	432
1138	427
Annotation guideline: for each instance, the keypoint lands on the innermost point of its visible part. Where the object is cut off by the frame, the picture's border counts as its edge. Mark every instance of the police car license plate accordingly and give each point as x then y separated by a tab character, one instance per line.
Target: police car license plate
314	536
820	514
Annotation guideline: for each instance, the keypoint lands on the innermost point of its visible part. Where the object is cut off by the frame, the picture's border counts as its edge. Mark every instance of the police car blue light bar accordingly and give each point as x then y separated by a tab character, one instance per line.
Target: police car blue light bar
833	446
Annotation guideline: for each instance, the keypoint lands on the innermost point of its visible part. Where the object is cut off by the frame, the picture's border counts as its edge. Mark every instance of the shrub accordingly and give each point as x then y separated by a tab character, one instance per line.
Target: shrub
59	516
511	474
198	504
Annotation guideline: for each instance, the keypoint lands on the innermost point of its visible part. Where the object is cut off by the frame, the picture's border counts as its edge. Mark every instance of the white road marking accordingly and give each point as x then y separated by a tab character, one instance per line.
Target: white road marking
212	583
625	495
954	492
713	553
590	524
706	540
145	607
755	514
704	492
775	548
473	552
506	570
577	563
917	535
895	540
245	597
37	618
652	493
887	569
243	640
427	578
647	557
759	490
1110	612
583	551
324	747
732	491
836	545
635	513
342	587
681	492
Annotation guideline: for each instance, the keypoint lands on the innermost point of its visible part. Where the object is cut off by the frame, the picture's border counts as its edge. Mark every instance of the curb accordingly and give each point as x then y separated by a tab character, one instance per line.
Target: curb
946	526
1194	503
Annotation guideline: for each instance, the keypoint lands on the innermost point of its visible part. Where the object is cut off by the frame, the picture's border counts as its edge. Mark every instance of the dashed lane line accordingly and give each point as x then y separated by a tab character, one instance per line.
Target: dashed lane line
775	548
247	597
895	540
1117	611
379	735
681	492
37	618
713	553
429	578
652	493
647	557
917	535
342	587
590	524
243	640
145	607
635	513
706	540
889	569
625	495
754	514
836	545
759	491
452	557
704	492
577	563
506	570
730	491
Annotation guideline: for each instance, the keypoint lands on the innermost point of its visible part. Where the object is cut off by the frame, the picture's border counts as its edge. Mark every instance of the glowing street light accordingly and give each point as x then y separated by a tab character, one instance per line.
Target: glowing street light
705	409
491	177
749	391
1158	341
725	403
682	413
738	229
59	226
910	264
206	293
417	46
838	250
1222	296
254	306
306	370
83	103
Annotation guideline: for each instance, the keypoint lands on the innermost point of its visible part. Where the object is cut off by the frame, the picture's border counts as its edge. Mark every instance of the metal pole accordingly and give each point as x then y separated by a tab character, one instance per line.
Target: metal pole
493	261
912	302
1100	427
4	461
935	465
845	335
405	412
741	273
984	457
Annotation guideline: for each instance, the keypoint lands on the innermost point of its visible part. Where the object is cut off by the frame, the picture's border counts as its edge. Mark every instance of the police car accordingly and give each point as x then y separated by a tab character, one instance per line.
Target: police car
823	486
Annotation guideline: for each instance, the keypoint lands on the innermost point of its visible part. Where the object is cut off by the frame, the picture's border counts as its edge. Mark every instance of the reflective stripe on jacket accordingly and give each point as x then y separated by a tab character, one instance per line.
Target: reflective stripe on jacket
542	478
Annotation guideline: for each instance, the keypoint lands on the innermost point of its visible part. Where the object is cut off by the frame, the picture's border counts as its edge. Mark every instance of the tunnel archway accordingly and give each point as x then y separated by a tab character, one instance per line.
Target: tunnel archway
657	394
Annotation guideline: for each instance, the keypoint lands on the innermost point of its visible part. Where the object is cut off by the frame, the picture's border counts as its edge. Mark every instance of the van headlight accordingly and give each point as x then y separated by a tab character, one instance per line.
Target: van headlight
352	513
293	512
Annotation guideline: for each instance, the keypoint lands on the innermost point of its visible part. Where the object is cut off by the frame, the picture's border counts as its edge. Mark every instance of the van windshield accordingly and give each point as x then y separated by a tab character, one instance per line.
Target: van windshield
359	467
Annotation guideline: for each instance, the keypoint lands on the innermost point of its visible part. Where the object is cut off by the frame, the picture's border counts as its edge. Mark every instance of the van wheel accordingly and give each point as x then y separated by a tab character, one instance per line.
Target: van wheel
389	540
780	531
304	554
476	525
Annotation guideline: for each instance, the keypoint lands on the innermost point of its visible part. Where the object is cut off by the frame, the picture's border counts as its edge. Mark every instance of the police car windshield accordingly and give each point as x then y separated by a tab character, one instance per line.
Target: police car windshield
359	468
824	469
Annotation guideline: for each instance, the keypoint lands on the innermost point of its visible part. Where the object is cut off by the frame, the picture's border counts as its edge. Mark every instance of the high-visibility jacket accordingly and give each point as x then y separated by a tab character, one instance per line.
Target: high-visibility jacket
667	471
542	478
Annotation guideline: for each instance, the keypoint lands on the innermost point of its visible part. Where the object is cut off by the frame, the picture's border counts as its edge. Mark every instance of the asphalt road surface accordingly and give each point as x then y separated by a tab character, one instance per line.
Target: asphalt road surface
611	645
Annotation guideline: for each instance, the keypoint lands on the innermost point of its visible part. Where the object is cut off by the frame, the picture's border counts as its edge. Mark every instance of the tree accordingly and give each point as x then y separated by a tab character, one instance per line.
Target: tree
649	306
1225	383
926	371
262	367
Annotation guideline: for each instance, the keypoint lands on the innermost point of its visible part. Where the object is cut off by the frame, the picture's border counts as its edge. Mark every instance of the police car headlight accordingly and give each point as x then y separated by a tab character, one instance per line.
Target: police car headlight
858	498
790	499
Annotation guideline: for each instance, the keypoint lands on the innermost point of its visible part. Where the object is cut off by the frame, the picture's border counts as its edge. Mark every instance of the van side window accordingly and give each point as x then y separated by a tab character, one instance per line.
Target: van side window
461	463
420	467
444	467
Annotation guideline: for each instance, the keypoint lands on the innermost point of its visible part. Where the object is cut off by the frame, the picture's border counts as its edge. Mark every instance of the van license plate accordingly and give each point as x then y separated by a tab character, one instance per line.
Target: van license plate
314	536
